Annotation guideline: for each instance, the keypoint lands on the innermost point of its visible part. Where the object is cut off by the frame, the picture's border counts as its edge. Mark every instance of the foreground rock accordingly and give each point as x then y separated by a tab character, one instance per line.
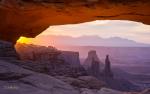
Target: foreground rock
106	91
7	51
109	91
83	82
146	91
88	91
24	81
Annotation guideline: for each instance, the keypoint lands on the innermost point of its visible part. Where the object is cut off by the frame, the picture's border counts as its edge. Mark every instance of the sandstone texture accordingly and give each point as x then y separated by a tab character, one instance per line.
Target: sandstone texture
49	60
24	81
31	17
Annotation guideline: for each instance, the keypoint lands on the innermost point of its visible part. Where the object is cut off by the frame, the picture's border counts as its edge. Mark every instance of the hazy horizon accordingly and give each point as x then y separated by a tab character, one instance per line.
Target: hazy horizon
130	30
93	40
115	33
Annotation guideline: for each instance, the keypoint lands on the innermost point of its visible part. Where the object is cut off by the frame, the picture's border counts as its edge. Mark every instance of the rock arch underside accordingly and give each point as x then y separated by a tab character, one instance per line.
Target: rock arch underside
30	17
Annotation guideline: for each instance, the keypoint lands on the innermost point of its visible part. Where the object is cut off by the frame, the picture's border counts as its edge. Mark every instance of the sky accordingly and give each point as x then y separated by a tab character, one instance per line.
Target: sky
136	31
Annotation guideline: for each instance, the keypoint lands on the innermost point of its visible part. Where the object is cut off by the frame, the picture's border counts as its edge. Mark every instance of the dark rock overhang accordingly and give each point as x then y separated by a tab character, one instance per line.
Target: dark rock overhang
31	17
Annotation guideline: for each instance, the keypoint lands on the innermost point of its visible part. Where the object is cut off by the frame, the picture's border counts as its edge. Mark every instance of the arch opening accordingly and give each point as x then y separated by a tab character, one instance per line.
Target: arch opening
126	42
99	33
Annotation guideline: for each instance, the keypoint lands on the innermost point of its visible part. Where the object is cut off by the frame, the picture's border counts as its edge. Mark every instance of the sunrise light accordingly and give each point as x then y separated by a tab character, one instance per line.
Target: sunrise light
24	40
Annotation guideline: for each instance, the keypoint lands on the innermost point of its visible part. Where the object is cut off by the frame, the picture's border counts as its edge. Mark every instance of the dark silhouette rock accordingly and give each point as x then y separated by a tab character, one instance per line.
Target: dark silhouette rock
107	69
103	72
91	56
92	64
95	68
7	51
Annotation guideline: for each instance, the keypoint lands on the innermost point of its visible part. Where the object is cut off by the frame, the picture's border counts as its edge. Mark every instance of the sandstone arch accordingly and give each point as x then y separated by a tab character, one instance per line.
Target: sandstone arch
30	17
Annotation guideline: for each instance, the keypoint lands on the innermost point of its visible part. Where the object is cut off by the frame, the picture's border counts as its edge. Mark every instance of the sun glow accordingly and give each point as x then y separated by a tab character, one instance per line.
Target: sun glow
24	40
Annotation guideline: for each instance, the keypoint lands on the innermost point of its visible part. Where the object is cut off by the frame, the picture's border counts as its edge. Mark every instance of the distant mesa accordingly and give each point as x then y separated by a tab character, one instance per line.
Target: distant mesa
50	60
89	41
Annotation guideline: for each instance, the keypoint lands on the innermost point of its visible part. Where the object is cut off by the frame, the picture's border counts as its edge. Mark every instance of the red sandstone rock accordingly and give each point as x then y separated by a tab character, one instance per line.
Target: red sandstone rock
28	18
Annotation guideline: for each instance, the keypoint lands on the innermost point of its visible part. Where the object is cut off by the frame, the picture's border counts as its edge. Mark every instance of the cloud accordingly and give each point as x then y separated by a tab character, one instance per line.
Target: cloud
106	28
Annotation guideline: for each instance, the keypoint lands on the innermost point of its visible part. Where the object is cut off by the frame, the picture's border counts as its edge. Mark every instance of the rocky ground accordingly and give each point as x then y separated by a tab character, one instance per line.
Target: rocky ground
25	81
14	79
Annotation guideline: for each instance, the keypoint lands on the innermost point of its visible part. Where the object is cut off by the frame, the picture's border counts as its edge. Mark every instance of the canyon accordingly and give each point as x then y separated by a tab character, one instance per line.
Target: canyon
30	79
34	69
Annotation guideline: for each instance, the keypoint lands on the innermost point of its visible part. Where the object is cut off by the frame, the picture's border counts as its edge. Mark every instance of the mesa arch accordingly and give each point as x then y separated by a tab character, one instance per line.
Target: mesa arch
30	17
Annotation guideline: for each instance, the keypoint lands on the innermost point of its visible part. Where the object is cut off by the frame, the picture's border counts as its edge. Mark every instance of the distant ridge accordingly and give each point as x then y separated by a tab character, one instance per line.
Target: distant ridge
89	41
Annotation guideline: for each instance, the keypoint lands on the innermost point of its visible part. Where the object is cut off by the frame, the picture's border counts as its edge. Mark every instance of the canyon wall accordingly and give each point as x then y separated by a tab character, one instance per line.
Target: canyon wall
71	57
51	61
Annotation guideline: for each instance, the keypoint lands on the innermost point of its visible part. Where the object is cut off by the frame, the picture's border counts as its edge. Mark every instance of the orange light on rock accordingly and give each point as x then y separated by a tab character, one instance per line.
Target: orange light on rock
24	40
